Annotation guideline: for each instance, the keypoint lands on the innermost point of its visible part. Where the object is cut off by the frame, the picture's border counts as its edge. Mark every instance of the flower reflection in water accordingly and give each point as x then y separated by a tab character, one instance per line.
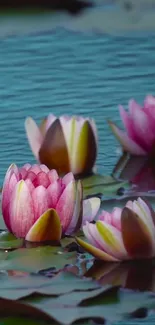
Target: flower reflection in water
140	171
135	275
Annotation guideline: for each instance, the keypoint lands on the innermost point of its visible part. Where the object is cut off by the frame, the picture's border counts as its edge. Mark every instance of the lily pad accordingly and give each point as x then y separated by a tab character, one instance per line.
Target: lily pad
64	282
36	259
102	185
9	241
122	305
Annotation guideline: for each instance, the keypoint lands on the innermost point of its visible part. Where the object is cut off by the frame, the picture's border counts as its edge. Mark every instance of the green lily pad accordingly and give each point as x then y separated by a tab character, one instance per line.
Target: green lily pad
96	304
64	282
36	259
9	241
101	184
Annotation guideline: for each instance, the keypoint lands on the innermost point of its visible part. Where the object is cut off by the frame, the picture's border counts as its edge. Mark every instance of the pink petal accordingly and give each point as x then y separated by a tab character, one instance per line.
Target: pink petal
66	204
21	210
26	166
53	175
29	185
68	178
90	209
142	126
34	136
89	235
31	176
149	108
23	173
127	121
40	198
44	168
54	191
129	126
133	105
35	169
41	179
149	102
129	205
128	144
116	218
105	216
10	182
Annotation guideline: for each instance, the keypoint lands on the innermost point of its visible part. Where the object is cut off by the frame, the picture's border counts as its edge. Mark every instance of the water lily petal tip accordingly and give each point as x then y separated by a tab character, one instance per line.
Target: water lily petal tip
12	166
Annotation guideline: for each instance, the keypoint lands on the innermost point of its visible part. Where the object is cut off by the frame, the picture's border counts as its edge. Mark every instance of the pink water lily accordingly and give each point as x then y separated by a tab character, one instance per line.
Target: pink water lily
124	234
38	205
67	144
139	123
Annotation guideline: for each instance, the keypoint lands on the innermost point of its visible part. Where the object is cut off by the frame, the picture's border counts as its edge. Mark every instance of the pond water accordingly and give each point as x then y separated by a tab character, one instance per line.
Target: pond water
64	72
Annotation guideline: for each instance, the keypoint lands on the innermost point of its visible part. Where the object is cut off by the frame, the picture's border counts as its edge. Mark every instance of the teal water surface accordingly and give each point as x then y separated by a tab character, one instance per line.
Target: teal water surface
63	72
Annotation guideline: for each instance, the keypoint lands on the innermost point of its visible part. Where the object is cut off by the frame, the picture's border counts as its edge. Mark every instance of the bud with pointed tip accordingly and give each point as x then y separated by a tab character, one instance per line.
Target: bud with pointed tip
67	144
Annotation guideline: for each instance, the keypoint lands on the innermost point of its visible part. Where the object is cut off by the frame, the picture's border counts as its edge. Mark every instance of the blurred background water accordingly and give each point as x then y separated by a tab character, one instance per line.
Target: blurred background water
74	73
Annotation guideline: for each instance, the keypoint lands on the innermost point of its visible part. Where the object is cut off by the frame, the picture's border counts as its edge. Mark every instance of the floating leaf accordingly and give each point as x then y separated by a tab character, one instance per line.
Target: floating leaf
9	241
64	282
36	259
110	304
102	185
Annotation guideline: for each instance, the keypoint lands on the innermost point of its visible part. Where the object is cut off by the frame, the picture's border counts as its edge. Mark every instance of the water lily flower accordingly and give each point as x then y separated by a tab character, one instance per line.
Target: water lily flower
139	123
67	144
38	205
124	234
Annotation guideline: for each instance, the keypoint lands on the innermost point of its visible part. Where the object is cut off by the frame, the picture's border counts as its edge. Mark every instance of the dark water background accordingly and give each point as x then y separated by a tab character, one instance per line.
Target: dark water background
65	72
